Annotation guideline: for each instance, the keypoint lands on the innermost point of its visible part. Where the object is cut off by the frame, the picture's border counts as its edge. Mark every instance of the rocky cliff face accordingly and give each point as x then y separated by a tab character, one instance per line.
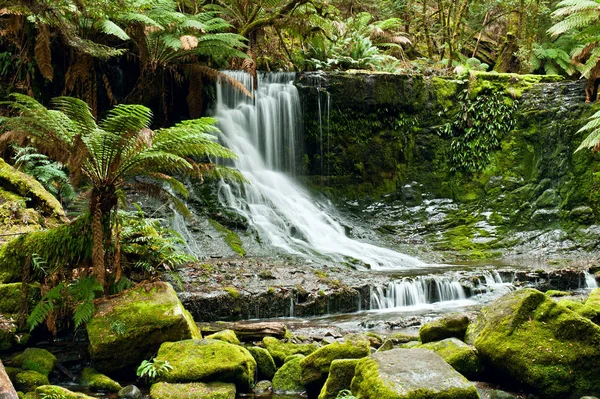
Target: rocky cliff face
423	146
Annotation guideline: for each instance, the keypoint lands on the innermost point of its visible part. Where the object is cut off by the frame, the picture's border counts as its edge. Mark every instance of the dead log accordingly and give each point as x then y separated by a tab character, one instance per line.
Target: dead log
7	391
246	331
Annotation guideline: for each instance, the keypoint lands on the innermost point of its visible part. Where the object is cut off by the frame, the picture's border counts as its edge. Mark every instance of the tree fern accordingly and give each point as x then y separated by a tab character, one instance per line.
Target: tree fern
83	292
46	306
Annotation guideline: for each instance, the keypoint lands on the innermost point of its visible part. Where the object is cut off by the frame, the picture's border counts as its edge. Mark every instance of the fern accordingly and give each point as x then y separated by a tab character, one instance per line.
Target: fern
46	306
83	292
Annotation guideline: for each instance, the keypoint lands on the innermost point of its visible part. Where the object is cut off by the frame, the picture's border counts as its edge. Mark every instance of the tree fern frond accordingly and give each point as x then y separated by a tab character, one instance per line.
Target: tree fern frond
43	56
110	28
83	292
47	304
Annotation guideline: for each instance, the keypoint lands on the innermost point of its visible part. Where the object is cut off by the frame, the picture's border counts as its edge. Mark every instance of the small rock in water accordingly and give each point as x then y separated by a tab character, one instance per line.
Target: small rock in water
263	388
130	392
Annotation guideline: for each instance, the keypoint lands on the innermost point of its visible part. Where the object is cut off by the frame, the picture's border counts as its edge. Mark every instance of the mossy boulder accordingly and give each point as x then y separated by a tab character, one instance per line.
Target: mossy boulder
550	350
208	360
147	316
28	380
35	359
279	350
196	390
340	377
98	382
409	374
459	355
225	335
316	365
10	297
557	293
53	391
288	379
264	362
447	327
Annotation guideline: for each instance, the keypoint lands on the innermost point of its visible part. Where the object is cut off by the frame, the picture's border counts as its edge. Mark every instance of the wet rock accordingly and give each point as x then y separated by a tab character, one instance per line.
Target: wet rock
386	346
446	327
582	214
130	392
135	323
196	390
316	365
264	362
288	379
98	382
407	374
263	388
208	360
547	348
544	217
548	199
225	335
340	377
35	359
495	394
459	355
279	350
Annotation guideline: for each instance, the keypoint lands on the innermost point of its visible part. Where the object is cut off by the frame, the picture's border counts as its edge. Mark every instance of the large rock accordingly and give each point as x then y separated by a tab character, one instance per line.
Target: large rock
98	382
446	327
28	380
196	390
528	338
35	359
457	354
131	327
10	297
208	360
53	391
340	377
316	365
7	391
288	379
264	362
409	374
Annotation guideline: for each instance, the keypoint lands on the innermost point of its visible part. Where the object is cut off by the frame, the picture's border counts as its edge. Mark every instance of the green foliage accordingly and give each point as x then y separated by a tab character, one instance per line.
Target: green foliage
151	369
51	175
54	395
345	394
150	246
79	294
593	127
477	129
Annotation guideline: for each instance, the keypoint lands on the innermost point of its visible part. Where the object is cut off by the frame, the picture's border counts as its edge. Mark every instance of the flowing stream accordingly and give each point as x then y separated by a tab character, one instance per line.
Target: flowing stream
265	132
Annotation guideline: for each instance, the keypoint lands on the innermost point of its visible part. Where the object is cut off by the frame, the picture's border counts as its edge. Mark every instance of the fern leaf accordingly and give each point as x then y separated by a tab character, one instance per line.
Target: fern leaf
110	28
43	57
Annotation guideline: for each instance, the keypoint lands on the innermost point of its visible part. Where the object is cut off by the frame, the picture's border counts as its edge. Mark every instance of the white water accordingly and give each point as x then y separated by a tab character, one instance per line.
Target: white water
590	281
264	132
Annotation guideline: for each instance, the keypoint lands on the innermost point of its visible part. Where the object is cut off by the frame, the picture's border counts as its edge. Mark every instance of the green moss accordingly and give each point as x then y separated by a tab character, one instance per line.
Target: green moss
288	379
151	314
28	380
35	359
316	365
340	377
279	350
98	382
208	360
68	246
445	327
557	293
232	291
402	338
541	344
197	390
231	238
10	297
52	391
264	362
225	335
459	355
511	83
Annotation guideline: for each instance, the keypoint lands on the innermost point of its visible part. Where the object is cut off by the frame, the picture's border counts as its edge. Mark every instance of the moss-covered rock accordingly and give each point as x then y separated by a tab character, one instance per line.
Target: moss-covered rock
149	315
279	350
196	390
557	293
8	334
208	360
409	374
28	380
340	377
35	359
288	379
264	362
53	391
457	354
98	382
225	335
316	365
446	327
10	297
527	337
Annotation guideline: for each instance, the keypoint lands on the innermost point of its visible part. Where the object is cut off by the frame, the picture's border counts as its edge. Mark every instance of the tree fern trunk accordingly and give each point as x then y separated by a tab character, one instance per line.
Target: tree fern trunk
99	270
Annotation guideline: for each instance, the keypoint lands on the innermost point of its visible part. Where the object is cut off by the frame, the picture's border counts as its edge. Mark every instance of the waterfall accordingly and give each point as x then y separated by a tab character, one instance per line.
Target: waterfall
590	280
264	132
417	291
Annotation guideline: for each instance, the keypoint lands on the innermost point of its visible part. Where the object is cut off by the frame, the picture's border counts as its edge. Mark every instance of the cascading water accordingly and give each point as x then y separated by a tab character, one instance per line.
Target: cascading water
264	131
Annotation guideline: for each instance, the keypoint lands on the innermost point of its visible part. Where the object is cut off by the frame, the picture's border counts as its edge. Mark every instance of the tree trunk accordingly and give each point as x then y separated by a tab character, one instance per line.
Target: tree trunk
99	270
7	391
